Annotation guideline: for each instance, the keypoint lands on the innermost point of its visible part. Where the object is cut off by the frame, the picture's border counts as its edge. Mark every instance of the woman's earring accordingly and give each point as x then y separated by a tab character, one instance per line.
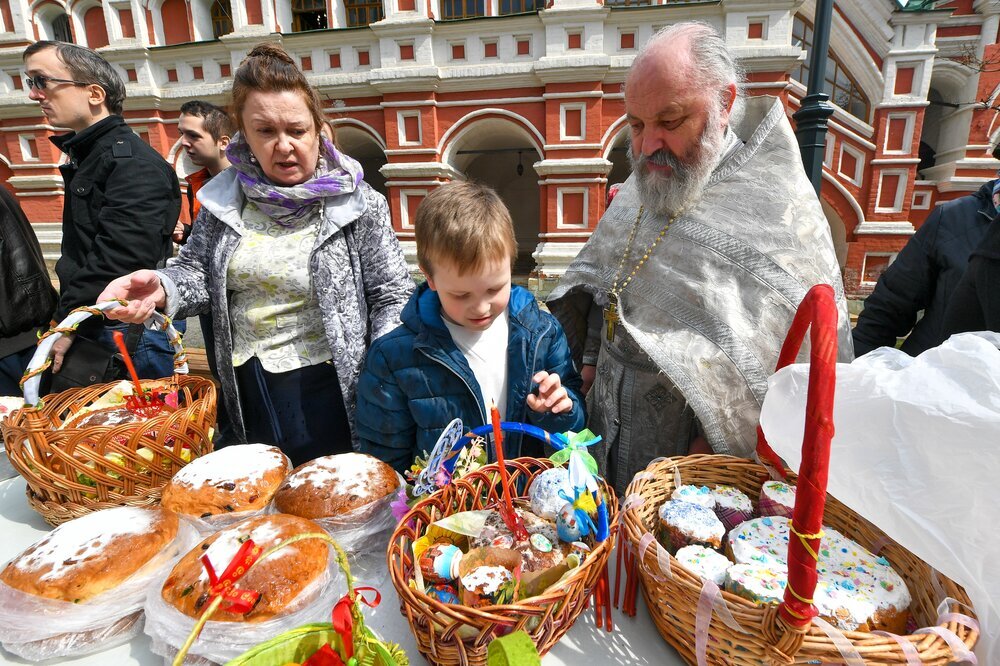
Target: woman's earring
253	159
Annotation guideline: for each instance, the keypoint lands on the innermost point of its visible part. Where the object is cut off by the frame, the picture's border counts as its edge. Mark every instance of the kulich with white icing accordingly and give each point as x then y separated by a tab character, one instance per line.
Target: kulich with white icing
708	564
700	495
335	485
485	585
777	498
279	578
856	589
242	477
92	554
732	506
760	584
683	524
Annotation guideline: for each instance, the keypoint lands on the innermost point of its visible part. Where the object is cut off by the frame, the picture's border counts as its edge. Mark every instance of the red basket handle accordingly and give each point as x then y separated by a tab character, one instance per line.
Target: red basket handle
818	314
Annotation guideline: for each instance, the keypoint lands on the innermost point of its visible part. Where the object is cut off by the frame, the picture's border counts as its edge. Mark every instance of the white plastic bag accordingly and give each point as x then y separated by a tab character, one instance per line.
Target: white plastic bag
917	452
37	628
220	642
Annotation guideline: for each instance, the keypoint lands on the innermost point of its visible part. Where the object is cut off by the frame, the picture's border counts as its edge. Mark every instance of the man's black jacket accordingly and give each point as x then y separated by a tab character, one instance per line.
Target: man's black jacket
924	276
121	205
27	298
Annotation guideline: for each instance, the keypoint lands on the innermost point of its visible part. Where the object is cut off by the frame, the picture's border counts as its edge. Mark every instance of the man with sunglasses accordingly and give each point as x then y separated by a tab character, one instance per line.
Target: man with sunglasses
121	200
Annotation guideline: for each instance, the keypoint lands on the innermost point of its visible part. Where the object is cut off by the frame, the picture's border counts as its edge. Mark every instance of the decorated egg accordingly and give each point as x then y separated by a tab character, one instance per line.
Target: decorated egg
544	492
567	524
444	593
439	563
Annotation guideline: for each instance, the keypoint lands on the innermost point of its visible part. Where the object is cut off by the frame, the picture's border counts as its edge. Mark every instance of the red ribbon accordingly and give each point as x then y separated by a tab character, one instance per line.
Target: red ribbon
239	601
343	620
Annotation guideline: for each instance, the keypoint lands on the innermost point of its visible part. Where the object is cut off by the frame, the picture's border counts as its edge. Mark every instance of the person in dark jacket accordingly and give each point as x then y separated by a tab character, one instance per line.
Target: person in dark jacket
121	198
975	305
467	340
27	298
924	276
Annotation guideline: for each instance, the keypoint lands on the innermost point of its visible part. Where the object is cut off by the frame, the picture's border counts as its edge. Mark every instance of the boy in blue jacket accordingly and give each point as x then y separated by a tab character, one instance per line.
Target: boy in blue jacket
467	339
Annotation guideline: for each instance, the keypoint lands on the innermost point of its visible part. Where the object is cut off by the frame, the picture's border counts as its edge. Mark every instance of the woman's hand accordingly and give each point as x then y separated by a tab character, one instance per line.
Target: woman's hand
142	290
552	395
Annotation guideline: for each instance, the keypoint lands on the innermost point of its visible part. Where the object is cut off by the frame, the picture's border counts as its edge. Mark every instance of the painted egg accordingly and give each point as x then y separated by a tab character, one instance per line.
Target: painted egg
567	525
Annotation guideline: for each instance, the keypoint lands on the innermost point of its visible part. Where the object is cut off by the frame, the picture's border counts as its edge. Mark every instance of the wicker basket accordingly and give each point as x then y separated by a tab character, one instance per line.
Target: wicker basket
686	609
73	471
454	634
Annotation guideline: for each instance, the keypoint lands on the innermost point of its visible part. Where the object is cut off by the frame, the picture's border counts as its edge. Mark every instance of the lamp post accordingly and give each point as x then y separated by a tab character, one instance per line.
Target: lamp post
810	119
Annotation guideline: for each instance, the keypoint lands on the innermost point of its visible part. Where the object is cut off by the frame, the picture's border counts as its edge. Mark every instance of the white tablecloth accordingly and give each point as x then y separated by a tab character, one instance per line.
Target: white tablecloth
634	642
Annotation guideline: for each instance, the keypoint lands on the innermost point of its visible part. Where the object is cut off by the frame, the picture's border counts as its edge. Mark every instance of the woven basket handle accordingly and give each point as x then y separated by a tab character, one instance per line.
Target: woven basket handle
818	314
42	357
556	441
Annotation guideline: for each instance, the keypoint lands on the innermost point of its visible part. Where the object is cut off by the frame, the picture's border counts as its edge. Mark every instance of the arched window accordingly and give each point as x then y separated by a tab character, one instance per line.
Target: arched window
363	12
61	31
841	88
308	15
174	14
97	31
222	18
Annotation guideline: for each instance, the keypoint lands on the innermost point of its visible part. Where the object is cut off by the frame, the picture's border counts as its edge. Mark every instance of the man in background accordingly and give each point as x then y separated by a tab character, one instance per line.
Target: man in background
205	131
923	277
121	198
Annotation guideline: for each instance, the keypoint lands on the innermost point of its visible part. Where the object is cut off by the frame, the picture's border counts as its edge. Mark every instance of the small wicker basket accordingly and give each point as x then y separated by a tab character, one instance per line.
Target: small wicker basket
73	471
706	625
456	634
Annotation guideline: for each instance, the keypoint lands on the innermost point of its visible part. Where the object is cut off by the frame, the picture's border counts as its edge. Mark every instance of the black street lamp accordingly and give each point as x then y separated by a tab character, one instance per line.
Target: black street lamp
810	119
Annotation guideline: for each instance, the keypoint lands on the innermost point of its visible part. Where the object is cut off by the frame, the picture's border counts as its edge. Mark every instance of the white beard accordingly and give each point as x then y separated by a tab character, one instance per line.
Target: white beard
668	195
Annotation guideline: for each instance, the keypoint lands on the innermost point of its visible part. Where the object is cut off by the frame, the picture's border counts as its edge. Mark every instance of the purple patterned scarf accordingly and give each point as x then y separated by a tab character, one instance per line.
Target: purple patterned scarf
288	206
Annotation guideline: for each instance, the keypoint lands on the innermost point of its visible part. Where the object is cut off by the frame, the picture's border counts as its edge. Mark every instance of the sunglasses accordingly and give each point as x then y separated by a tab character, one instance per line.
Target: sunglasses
40	81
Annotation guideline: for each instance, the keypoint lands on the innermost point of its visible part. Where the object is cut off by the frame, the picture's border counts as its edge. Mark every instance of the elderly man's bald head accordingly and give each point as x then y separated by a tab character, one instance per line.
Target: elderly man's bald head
694	53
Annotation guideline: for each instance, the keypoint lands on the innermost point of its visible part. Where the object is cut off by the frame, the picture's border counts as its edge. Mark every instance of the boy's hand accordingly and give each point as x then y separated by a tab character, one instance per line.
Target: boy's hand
552	397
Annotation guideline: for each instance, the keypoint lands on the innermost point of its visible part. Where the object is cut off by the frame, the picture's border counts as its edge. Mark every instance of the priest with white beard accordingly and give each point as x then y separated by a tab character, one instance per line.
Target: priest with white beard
678	304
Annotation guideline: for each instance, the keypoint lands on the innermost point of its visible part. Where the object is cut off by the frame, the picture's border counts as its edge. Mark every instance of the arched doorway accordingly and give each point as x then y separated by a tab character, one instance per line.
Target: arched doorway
366	149
499	153
618	156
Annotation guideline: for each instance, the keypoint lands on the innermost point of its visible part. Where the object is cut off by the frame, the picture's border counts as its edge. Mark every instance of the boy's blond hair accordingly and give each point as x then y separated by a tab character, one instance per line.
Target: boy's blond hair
464	224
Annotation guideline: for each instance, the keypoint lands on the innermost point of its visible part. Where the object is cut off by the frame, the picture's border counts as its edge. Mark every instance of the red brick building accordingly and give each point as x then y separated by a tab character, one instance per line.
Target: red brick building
528	98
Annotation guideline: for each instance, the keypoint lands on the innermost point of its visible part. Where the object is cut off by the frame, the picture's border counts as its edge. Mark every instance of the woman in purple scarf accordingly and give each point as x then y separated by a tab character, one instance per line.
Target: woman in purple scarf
294	256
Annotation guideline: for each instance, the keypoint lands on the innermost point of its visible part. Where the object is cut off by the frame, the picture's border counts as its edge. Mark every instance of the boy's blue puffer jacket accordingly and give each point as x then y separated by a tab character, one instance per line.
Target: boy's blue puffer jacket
416	380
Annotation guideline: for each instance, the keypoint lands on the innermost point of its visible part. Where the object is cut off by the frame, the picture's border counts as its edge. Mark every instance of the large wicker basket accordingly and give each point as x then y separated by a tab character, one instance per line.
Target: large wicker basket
454	634
73	471
706	625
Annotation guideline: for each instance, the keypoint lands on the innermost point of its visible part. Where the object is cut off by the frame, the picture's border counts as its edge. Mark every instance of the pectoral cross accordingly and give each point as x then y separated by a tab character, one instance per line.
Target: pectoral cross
611	316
